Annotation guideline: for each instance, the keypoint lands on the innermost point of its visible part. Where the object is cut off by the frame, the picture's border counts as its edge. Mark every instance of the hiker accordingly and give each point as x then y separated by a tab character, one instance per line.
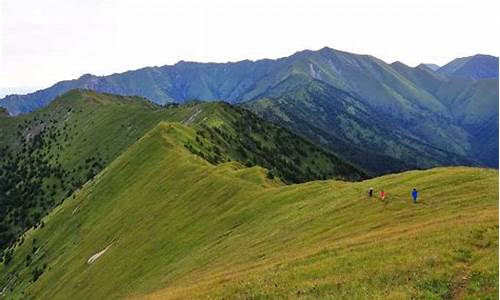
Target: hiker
370	192
414	194
382	195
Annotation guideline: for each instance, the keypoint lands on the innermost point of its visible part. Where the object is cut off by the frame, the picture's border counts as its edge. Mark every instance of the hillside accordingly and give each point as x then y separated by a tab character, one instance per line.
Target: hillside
454	116
378	143
160	222
479	66
49	154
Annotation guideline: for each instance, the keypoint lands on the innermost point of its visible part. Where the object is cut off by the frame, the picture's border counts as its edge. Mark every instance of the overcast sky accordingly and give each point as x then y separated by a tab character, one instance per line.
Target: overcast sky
44	41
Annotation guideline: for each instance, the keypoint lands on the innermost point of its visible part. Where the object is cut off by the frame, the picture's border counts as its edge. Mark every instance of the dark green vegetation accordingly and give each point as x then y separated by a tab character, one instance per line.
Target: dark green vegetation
49	154
383	117
353	129
242	136
160	222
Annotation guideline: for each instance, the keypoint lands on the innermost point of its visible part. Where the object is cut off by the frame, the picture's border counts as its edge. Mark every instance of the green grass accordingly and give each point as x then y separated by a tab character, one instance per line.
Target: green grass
107	124
180	227
83	131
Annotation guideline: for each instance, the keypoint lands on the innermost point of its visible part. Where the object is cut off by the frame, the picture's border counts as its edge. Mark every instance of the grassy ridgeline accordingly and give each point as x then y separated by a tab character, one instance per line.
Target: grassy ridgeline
48	154
175	226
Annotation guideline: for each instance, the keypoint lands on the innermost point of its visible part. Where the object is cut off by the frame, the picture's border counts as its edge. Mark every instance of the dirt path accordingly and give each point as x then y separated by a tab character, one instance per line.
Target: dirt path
460	289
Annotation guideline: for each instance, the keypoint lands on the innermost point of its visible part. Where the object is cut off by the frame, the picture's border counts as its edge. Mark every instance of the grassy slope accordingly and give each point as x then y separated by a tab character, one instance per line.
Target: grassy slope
107	124
180	227
90	129
95	123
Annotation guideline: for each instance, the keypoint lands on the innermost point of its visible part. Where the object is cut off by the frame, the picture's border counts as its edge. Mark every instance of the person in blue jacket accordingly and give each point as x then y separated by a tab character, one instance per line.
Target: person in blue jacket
414	194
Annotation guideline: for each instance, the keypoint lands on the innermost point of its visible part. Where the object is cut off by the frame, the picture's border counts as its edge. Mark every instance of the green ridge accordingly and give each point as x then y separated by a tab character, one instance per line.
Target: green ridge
176	226
50	153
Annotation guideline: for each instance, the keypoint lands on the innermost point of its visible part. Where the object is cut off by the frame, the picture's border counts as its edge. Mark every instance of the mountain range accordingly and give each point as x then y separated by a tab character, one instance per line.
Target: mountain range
250	180
409	117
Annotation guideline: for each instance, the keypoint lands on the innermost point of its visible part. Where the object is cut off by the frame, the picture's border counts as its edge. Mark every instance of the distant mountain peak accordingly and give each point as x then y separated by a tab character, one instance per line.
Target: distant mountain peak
398	63
479	55
479	66
430	66
87	76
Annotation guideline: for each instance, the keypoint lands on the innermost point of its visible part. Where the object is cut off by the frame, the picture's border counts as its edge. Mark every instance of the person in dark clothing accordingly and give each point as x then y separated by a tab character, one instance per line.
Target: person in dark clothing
414	194
370	192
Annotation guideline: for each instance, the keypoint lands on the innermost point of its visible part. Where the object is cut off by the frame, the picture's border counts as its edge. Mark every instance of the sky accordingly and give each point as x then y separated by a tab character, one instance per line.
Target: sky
45	41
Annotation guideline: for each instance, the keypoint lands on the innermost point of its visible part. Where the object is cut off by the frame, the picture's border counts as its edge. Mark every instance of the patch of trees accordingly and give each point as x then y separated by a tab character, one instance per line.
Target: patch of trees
252	141
33	180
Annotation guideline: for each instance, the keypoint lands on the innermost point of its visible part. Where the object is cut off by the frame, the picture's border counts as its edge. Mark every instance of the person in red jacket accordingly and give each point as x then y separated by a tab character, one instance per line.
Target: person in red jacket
382	195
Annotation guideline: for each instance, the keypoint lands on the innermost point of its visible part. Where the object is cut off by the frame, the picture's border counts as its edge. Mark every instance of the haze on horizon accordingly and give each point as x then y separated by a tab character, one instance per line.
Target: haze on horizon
45	41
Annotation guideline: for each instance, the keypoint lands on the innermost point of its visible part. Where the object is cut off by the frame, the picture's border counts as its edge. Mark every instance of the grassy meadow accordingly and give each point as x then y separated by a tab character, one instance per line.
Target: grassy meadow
175	226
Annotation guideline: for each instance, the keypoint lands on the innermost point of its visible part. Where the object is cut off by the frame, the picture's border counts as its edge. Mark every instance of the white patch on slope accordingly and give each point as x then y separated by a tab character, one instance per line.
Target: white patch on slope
314	74
98	254
190	120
